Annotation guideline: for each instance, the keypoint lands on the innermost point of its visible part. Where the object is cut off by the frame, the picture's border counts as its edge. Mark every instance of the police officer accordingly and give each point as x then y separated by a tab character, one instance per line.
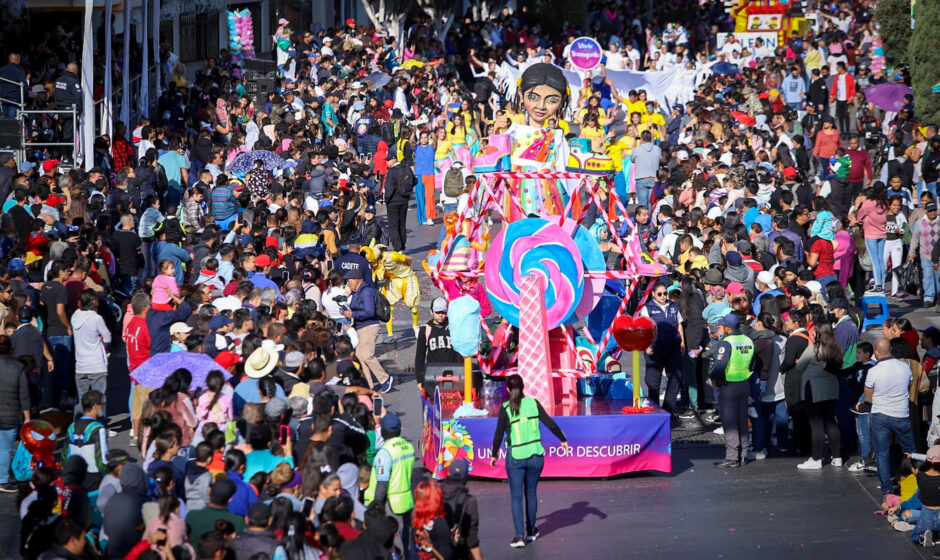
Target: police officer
731	370
666	351
390	481
519	419
68	94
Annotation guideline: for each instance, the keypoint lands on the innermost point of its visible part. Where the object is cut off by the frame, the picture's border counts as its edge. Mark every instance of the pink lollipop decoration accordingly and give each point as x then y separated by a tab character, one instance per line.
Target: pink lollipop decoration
534	246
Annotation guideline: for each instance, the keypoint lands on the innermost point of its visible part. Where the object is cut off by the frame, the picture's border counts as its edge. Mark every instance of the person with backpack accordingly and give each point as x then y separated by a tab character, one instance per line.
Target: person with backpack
453	188
88	438
364	310
462	512
433	344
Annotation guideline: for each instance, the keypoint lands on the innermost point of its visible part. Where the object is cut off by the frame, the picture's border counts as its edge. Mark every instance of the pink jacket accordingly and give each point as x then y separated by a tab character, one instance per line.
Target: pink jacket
220	413
873	218
163	286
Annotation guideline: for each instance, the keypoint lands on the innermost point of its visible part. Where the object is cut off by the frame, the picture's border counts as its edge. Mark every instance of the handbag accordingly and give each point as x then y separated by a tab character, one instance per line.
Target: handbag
910	274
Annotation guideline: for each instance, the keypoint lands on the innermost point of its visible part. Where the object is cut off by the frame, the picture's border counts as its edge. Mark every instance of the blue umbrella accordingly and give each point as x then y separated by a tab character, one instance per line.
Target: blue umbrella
377	79
243	163
154	371
725	69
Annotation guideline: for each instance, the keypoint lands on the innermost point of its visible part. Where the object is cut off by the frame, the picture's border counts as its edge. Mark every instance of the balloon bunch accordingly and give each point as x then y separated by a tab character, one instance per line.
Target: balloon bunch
241	35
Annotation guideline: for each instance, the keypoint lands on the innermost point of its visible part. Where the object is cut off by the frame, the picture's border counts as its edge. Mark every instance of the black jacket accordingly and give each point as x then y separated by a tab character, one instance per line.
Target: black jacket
461	508
819	93
14	392
372	229
13	73
433	346
400	182
68	92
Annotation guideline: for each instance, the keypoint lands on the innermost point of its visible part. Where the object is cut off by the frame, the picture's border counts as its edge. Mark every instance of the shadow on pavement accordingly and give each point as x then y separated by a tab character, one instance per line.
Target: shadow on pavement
568	517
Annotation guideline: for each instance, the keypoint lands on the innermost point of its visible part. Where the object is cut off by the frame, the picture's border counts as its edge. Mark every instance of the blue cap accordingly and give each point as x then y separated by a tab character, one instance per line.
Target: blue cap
391	423
219	321
730	320
26	166
16	265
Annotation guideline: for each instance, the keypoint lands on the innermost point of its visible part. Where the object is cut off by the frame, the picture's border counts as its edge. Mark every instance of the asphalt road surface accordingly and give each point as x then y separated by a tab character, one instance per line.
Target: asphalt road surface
768	509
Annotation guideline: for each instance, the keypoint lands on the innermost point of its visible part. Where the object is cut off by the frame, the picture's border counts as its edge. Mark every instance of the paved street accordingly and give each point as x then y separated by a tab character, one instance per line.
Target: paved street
768	509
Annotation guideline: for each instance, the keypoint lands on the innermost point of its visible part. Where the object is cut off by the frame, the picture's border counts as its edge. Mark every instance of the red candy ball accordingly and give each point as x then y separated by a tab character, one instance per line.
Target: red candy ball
634	334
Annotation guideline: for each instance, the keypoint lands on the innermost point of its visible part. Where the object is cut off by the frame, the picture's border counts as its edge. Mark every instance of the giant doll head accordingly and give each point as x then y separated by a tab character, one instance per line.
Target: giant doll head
543	92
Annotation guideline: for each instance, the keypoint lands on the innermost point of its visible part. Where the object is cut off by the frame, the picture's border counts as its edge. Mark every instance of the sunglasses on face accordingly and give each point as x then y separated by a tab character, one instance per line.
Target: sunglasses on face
659	293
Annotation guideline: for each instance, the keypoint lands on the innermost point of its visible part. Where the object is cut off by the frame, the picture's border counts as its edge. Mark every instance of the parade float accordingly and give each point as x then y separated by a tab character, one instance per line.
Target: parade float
562	318
781	18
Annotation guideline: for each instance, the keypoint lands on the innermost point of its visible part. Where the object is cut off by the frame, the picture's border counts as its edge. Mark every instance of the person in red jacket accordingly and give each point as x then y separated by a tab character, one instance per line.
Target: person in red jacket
860	172
137	340
843	93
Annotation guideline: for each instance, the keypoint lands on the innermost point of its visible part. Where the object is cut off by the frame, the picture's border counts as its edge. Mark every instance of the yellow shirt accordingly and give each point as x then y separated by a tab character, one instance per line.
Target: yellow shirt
653	122
908	487
517	118
812	60
616	150
442	150
458	136
635	107
592	132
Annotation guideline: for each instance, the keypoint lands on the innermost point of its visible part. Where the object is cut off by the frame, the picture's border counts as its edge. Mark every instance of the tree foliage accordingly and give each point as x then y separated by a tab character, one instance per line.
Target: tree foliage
894	21
924	58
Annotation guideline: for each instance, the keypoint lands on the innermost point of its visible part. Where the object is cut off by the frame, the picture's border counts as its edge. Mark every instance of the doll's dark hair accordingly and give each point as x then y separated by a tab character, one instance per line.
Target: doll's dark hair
544	74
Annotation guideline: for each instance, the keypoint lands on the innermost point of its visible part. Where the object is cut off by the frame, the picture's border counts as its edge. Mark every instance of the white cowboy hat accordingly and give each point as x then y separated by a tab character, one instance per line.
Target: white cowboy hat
260	363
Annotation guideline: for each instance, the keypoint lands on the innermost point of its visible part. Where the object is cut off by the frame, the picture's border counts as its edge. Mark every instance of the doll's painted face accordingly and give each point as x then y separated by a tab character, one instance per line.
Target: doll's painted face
540	103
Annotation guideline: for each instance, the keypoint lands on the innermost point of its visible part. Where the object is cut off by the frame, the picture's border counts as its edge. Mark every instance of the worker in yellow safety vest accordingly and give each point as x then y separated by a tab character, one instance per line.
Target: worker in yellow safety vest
390	481
519	419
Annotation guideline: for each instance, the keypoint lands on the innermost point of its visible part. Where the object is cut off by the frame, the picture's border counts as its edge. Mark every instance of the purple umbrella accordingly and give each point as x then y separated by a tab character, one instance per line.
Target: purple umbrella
243	163
154	371
888	96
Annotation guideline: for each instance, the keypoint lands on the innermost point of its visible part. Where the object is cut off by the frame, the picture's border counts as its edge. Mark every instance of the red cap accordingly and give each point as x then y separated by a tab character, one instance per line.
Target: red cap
789	172
49	165
227	359
270	242
388	103
351	22
263	260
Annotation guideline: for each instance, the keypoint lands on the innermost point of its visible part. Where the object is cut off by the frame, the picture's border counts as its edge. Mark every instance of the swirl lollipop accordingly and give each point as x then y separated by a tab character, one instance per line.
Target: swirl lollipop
534	246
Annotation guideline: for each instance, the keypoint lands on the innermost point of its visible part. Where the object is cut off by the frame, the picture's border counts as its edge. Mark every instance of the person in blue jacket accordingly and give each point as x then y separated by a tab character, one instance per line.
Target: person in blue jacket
362	310
162	250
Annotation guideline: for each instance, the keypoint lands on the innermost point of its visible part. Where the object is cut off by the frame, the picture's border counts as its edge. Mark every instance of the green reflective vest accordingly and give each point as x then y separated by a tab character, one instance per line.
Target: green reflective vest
739	363
400	499
525	437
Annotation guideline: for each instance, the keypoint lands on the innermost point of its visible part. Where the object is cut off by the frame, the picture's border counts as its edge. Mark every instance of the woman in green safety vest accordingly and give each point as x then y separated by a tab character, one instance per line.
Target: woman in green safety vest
519	419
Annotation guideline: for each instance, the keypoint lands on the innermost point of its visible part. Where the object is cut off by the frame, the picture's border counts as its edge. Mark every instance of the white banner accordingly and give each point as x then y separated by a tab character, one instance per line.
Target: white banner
668	87
748	38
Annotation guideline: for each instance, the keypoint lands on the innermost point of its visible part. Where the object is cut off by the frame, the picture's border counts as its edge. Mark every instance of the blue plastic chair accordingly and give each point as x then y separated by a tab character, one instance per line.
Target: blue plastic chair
880	317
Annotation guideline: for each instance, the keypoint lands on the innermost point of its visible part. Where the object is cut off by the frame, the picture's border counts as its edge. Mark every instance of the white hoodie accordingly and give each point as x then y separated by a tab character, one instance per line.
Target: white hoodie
91	334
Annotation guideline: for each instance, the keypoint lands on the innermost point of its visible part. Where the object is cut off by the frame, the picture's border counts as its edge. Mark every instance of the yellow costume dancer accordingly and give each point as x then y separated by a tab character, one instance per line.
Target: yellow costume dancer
392	270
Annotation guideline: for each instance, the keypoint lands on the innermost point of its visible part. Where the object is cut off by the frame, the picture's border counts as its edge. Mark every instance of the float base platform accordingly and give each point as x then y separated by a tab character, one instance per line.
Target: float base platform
603	441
